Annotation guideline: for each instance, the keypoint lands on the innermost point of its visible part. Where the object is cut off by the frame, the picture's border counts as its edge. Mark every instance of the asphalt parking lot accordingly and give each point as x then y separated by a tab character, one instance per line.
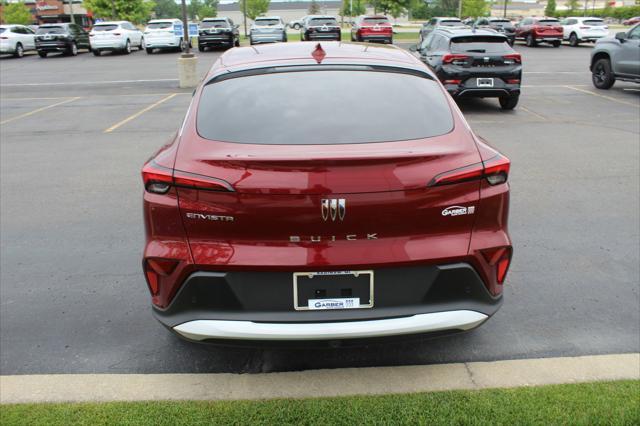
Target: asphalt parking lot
76	130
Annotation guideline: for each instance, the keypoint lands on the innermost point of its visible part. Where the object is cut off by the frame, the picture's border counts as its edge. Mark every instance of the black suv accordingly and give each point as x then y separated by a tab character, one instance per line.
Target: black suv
320	28
474	63
64	37
216	32
500	25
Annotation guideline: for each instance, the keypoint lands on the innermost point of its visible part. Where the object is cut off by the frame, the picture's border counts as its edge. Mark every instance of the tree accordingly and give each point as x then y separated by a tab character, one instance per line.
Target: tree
167	9
314	8
572	5
255	8
550	9
199	9
474	8
394	8
137	11
17	13
353	8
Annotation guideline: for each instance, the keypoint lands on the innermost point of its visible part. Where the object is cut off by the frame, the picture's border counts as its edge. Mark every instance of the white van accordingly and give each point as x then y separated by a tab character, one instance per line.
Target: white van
163	34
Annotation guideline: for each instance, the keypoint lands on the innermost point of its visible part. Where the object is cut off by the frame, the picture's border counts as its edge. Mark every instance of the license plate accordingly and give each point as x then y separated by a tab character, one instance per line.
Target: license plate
484	82
329	290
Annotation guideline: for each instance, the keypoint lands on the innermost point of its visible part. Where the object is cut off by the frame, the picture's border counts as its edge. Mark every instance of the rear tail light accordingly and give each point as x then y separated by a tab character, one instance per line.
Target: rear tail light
155	268
500	258
91	35
513	81
495	171
4	38
451	81
513	57
159	180
454	58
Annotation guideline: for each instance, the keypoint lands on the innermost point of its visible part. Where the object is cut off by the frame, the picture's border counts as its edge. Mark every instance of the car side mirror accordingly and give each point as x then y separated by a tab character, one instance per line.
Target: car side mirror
621	36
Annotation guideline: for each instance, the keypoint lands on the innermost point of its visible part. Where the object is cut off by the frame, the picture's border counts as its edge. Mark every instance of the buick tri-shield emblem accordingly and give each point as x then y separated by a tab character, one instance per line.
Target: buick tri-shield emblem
333	208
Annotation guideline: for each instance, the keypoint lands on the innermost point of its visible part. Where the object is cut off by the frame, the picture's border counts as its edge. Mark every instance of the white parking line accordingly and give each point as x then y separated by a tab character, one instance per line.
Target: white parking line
609	98
35	111
139	113
317	383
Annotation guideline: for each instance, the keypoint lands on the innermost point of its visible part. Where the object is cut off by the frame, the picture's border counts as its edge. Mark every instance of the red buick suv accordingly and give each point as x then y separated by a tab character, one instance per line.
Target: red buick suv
367	208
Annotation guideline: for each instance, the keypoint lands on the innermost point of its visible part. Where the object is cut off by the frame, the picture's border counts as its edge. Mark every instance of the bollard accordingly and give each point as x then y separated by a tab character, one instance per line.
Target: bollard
187	70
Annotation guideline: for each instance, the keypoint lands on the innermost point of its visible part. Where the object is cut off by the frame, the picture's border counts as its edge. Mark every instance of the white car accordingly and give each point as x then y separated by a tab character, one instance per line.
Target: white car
163	34
267	29
16	39
581	29
115	36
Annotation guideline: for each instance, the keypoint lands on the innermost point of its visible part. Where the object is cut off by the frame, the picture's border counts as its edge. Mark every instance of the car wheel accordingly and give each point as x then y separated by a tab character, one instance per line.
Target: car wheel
531	42
73	49
19	53
149	50
237	42
201	48
96	52
509	102
284	38
141	47
601	76
556	43
296	26
127	48
573	40
42	54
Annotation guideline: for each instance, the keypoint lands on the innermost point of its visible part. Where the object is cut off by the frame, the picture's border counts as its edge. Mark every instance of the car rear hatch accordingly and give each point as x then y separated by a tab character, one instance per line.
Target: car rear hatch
159	30
549	28
292	190
482	56
376	27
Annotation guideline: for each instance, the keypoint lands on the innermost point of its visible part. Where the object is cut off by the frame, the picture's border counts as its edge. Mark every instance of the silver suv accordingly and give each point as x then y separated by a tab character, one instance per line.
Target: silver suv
616	58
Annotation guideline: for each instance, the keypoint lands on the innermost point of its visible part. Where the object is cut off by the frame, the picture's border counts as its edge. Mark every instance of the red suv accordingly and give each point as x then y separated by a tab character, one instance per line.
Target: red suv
540	30
372	28
378	215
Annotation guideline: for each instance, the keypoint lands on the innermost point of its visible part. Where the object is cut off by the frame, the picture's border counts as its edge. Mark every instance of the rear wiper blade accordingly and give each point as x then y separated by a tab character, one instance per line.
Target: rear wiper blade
477	50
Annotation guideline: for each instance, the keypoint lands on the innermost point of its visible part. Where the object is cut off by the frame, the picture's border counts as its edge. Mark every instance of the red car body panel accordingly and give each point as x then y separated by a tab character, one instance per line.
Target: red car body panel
394	216
539	31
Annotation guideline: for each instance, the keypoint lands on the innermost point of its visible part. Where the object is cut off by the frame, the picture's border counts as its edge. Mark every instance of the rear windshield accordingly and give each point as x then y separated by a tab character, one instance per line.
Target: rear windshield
548	22
214	24
323	21
51	30
160	25
267	22
595	23
374	21
500	21
451	23
331	107
105	27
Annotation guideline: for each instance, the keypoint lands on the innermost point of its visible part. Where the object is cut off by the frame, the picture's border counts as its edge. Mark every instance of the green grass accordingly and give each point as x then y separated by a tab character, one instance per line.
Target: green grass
606	403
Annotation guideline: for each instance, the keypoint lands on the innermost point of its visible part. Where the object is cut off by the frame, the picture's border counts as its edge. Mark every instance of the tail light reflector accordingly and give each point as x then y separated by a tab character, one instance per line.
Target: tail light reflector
500	258
158	180
154	268
495	171
513	81
454	58
451	81
515	57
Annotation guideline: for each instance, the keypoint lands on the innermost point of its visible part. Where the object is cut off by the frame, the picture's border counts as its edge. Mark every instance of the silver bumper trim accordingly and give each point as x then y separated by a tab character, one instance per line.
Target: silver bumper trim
248	330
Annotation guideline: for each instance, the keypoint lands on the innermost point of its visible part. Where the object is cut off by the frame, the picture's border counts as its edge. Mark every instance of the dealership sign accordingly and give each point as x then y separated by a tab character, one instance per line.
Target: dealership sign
42	6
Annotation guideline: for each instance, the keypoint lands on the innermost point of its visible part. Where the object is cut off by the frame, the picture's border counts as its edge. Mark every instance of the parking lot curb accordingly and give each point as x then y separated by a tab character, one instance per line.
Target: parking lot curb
317	383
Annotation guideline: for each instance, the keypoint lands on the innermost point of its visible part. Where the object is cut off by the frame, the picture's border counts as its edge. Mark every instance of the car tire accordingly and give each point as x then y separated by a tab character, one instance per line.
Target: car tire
19	53
530	41
237	42
42	54
96	52
141	47
201	48
602	75
73	49
284	38
148	50
296	26
556	43
508	102
573	40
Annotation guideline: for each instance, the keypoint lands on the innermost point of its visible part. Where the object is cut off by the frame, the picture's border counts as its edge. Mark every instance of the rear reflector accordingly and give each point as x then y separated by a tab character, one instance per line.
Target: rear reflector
500	258
451	81
158	180
513	81
495	171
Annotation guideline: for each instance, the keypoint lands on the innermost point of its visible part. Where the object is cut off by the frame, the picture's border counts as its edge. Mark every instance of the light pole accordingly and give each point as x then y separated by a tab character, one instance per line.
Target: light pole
73	19
460	9
504	15
187	62
244	16
186	49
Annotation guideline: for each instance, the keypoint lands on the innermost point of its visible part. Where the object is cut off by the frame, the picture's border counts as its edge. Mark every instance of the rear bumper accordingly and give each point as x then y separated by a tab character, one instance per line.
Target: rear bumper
161	43
247	330
267	38
260	306
376	37
108	45
223	39
52	47
322	36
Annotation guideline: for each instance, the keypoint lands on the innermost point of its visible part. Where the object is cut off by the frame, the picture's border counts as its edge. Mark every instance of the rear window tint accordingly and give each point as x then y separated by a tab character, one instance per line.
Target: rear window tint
330	107
323	21
160	26
451	23
105	27
214	24
500	21
373	21
267	22
51	30
595	23
548	22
